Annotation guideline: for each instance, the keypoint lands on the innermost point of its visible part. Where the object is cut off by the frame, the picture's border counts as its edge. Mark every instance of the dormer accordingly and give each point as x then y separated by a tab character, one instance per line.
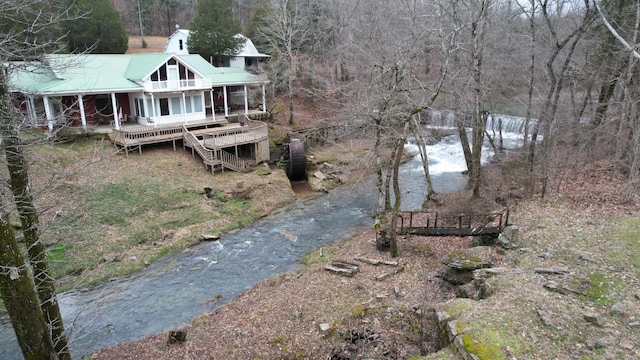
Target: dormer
174	75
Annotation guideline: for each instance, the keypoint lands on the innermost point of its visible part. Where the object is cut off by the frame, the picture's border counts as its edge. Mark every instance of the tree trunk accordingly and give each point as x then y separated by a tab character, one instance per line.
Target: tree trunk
422	147
292	74
388	179
475	176
464	142
20	187
20	298
45	286
532	29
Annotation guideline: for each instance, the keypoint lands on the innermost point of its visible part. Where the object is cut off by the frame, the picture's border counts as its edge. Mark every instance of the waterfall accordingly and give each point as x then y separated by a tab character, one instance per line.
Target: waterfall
510	124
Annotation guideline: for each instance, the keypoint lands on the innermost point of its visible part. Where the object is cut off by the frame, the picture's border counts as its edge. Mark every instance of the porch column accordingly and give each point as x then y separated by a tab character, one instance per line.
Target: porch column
264	98
213	106
31	110
83	117
153	106
226	106
153	110
246	100
183	107
114	106
47	113
145	109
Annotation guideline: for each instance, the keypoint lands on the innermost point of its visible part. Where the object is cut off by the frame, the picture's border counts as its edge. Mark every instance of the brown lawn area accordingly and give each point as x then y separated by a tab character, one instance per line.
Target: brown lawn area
154	44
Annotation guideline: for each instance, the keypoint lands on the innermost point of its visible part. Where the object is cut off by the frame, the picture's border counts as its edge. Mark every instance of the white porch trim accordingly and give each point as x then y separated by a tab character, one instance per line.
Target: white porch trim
83	117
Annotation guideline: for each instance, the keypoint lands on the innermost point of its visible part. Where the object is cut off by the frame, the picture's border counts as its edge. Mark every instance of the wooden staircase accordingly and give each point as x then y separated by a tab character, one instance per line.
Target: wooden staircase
212	158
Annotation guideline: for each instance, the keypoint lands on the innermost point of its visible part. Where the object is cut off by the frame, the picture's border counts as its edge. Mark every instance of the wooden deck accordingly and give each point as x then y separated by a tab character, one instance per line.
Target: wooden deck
207	138
131	136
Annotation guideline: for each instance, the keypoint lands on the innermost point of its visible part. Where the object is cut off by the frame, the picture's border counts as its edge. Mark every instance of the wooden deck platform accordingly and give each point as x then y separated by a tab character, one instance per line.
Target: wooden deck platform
208	139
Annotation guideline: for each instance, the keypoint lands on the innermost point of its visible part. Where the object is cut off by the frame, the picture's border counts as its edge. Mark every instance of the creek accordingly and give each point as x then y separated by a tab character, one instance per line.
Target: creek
177	288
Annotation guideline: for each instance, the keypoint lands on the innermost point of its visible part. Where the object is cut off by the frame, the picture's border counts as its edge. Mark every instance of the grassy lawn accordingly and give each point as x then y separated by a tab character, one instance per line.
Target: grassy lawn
105	216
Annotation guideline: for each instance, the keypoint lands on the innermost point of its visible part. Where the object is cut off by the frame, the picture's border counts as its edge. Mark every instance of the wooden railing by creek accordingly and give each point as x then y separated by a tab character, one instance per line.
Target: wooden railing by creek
431	224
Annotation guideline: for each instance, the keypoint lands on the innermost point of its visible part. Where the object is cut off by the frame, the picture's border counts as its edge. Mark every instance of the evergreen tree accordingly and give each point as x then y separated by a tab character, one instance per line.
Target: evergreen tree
97	28
213	31
259	20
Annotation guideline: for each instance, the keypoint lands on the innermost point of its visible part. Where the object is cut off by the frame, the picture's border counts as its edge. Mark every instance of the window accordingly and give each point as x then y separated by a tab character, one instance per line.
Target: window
164	106
197	103
103	105
140	107
187	104
163	73
175	106
152	109
180	44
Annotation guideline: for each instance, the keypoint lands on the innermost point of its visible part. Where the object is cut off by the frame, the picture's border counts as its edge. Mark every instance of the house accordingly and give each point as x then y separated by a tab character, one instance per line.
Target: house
147	98
248	57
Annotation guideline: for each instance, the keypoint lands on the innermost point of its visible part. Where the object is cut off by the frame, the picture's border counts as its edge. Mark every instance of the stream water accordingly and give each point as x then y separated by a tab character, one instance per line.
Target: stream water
172	291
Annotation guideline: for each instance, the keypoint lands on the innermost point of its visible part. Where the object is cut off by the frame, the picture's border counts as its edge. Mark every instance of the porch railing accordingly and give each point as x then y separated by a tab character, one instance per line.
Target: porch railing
171	85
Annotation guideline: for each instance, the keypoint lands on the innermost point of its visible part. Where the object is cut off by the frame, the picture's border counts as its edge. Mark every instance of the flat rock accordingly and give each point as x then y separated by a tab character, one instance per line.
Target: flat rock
478	257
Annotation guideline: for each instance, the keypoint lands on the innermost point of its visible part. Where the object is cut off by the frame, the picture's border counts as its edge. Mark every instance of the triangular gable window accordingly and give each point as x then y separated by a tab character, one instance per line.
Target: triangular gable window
173	70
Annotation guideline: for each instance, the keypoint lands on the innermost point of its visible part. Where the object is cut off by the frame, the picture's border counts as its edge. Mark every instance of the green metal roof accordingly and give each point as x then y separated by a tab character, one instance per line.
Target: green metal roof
99	73
220	75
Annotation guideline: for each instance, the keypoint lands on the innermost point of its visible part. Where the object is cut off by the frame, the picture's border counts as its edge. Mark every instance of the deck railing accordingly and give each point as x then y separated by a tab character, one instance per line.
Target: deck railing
191	141
146	135
252	131
212	157
231	161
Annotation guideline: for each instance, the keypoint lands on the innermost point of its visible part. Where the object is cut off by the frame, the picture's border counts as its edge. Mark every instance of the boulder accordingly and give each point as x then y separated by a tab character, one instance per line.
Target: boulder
470	259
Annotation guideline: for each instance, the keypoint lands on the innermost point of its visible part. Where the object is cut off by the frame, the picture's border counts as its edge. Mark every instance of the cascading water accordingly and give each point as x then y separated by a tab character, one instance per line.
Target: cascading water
446	160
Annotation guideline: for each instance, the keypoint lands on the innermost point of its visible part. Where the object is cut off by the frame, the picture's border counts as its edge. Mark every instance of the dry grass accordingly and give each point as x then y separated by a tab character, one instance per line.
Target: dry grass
106	215
154	44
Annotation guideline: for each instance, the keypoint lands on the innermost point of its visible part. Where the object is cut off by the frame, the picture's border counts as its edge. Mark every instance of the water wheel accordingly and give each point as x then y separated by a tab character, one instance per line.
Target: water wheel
297	169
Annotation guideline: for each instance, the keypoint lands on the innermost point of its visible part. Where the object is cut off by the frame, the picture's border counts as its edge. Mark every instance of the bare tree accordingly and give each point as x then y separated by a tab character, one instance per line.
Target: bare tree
474	18
286	32
28	31
563	43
